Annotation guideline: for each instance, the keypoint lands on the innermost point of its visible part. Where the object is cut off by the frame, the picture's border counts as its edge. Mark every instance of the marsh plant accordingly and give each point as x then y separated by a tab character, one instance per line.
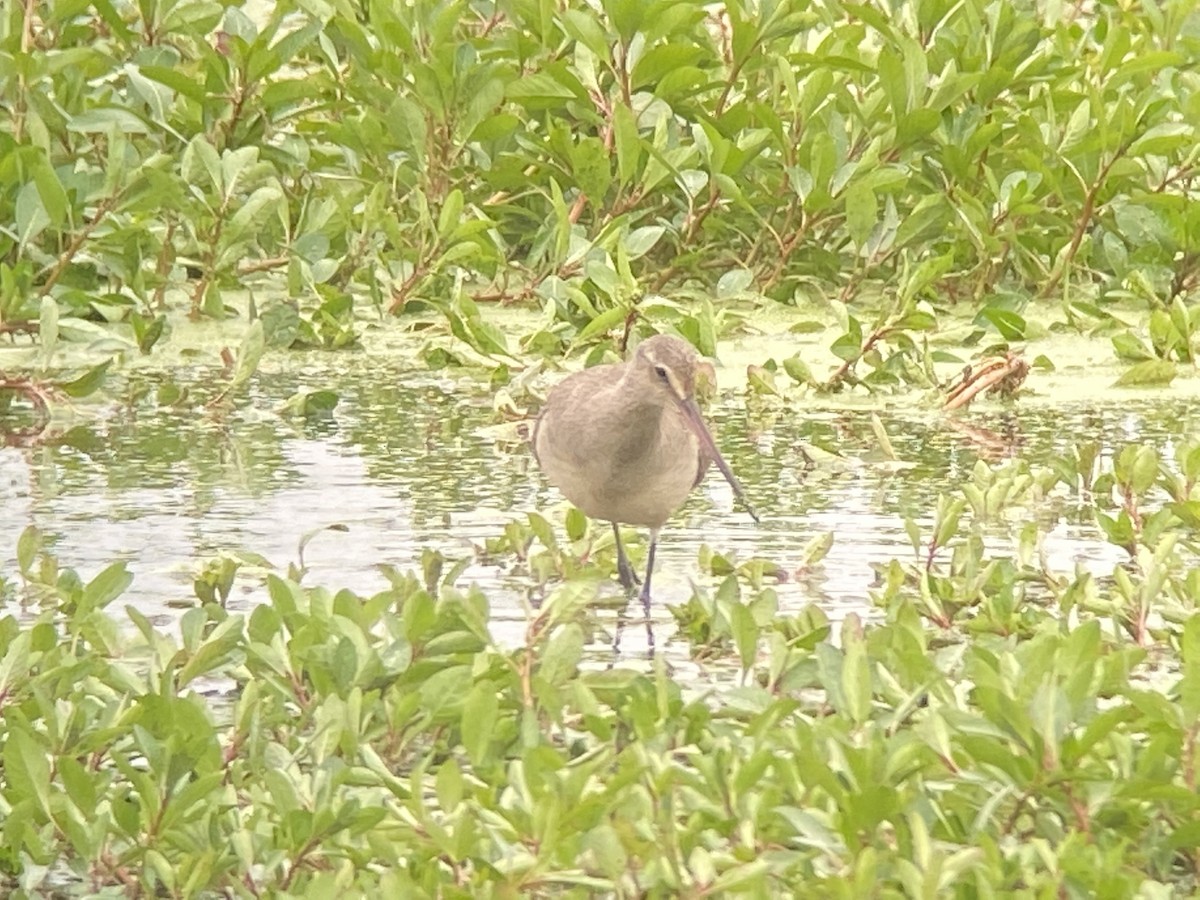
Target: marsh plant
999	728
604	163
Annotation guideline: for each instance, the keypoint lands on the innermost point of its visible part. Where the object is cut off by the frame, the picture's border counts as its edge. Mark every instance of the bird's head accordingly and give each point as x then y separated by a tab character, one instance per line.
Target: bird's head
668	363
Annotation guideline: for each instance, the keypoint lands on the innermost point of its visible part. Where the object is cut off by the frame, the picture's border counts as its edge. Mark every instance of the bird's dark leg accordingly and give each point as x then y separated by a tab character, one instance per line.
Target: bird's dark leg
649	571
617	632
629	579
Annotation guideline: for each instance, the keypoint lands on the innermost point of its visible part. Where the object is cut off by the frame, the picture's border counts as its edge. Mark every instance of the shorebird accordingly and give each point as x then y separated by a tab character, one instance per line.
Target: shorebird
626	443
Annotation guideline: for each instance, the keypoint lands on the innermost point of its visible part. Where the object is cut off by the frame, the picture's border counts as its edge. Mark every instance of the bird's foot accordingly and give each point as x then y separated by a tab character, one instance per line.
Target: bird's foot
626	575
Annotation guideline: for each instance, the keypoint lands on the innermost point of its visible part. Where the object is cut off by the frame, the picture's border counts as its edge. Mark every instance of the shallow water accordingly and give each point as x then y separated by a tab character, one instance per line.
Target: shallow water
408	461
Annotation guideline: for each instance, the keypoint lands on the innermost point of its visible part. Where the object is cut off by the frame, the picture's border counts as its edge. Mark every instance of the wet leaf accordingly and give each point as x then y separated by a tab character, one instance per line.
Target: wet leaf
87	383
1151	373
29	544
48	329
798	370
281	325
1010	325
882	441
147	331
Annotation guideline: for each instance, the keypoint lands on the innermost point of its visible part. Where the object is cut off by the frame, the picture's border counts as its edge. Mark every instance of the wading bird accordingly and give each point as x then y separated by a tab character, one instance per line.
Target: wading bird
626	443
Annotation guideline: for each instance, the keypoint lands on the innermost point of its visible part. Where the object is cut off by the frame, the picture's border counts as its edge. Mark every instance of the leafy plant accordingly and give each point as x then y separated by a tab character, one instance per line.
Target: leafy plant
590	160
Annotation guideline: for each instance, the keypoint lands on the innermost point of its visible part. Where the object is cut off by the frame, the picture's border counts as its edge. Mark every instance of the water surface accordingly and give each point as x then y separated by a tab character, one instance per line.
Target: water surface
409	460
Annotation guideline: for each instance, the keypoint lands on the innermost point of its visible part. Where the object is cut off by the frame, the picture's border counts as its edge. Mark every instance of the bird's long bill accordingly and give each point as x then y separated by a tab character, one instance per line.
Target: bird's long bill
691	414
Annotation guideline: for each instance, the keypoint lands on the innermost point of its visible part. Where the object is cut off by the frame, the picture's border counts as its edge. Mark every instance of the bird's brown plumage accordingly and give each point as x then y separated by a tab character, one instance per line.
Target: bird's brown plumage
626	442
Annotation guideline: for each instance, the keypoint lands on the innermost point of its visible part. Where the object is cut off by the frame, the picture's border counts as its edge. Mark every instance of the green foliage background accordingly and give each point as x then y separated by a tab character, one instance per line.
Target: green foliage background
156	154
1004	730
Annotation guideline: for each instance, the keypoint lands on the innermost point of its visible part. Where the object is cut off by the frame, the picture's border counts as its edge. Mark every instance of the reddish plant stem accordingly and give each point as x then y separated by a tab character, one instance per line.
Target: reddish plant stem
1082	223
77	242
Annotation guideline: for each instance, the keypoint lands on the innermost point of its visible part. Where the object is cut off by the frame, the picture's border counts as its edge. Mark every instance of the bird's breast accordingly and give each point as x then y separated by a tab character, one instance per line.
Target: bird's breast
637	467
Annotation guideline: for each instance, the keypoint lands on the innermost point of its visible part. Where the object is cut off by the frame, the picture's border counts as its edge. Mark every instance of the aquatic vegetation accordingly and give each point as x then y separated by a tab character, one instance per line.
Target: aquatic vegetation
1002	726
937	173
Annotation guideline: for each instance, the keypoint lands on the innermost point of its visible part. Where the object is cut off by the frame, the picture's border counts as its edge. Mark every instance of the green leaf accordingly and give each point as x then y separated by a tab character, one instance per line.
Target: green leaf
281	325
628	144
848	346
1163	138
917	321
946	522
107	586
216	651
576	523
1188	512
734	282
406	124
641	241
626	16
51	191
1129	347
797	369
1189	683
146	331
234	165
541	85
748	877
28	546
560	659
856	681
1144	471
603	843
27	768
79	784
30	215
592	169
745	633
184	84
449	785
915	125
1078	126
14	663
310	404
604	276
860	211
200	165
250	217
486	337
882	440
87	383
1010	325
1151	373
1050	715
450	214
479	720
48	329
102	119
248	356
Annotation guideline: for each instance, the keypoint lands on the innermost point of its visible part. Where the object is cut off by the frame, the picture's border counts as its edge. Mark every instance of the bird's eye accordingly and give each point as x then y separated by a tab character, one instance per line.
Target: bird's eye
661	372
